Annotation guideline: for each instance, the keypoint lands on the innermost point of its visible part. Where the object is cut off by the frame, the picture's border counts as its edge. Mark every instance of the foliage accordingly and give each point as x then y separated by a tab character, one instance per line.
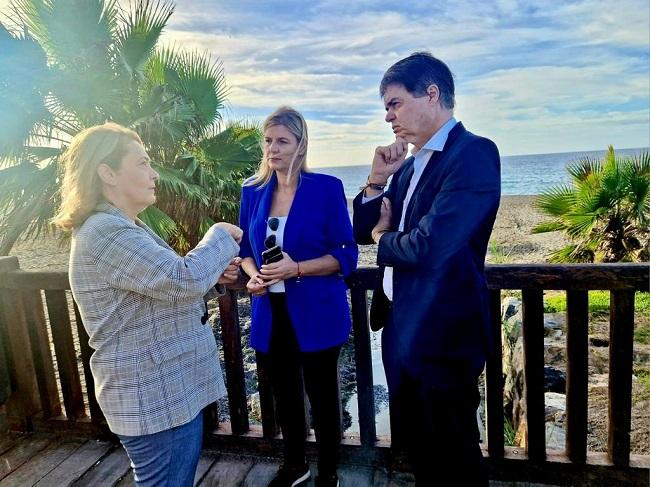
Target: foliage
598	302
643	377
71	64
497	254
605	210
509	432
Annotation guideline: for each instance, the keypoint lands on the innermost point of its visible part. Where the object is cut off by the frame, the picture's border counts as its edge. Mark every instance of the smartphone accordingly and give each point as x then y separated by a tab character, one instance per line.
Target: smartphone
274	254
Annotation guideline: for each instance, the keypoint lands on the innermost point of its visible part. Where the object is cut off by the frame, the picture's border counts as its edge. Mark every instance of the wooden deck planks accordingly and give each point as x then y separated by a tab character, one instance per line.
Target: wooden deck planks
108	471
37	467
25	449
74	466
229	471
53	461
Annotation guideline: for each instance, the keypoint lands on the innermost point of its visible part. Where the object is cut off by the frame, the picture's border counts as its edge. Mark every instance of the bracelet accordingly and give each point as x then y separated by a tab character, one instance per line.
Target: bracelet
299	273
375	186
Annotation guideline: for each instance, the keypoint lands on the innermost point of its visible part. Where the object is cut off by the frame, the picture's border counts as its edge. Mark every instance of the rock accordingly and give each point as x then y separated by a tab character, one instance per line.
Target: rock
509	307
554	380
555	406
596	341
555	436
255	406
554	324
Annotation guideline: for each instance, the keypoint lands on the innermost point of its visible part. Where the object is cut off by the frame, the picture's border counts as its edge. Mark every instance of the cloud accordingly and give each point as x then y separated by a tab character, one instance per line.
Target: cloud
535	75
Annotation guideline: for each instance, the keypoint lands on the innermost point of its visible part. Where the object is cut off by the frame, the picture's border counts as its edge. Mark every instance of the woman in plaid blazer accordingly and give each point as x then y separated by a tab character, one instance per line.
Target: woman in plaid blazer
300	315
155	363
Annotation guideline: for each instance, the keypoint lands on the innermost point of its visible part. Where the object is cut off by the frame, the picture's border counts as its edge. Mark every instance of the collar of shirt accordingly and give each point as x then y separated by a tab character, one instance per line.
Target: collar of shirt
435	143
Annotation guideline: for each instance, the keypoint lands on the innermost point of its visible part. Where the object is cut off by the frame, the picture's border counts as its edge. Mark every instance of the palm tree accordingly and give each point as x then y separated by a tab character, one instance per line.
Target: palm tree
71	64
605	210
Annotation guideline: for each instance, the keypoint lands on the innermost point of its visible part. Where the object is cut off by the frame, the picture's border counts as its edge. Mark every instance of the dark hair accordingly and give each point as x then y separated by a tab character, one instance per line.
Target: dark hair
417	72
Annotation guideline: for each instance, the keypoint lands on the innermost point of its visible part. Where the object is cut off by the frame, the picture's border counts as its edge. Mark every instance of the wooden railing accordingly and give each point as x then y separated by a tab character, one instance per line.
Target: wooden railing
30	389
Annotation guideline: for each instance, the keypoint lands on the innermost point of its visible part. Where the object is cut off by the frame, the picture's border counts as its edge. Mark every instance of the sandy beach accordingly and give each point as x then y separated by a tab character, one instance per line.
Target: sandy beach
512	235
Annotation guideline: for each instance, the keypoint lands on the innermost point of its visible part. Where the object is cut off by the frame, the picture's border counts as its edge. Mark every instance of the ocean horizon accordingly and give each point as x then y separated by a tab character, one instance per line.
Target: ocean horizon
520	175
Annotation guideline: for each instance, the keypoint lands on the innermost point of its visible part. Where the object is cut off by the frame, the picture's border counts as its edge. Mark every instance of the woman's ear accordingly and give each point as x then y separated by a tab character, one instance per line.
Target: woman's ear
106	174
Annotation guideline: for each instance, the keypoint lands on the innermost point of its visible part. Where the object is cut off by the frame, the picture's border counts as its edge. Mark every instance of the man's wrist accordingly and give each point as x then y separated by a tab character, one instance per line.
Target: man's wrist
377	234
375	183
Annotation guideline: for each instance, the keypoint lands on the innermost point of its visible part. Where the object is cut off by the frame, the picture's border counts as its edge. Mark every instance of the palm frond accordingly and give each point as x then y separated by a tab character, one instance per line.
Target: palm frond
160	222
200	81
86	45
556	201
173	181
22	79
138	34
581	169
29	196
549	226
571	254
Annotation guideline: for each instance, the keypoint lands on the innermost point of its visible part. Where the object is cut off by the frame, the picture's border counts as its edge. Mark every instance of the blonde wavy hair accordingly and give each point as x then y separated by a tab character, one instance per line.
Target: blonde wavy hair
81	189
295	123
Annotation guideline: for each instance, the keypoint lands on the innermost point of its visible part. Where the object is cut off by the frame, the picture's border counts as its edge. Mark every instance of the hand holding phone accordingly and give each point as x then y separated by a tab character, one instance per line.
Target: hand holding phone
274	254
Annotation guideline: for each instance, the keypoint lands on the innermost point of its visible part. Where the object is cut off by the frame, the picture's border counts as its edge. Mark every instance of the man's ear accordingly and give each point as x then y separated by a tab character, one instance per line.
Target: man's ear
434	93
106	174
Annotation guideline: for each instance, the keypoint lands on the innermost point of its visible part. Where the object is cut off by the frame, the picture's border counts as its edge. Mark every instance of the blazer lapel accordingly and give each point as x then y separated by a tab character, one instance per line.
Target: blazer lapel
437	160
262	214
400	192
299	211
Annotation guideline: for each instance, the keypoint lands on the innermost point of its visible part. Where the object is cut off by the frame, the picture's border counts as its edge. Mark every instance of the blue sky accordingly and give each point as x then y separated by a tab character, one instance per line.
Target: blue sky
535	76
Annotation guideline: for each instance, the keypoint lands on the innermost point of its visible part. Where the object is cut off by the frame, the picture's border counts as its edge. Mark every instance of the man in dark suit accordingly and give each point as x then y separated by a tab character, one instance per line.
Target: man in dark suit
432	226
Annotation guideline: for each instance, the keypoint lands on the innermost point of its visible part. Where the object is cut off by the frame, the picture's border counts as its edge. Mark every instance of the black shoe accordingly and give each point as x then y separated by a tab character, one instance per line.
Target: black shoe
291	476
331	480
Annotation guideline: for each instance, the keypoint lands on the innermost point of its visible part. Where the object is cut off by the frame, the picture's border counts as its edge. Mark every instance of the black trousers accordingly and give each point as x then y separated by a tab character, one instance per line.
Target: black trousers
291	372
444	421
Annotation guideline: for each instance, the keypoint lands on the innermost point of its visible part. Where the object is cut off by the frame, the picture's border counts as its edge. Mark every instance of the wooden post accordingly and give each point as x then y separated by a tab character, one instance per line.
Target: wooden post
42	352
96	414
66	354
363	360
533	332
232	351
494	381
621	340
24	401
577	367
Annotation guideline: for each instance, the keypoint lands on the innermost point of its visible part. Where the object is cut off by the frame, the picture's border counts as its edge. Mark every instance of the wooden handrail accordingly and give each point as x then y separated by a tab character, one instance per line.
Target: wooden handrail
23	330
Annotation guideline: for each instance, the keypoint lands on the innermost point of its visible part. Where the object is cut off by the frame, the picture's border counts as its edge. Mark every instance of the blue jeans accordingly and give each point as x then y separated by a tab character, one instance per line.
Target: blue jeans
167	458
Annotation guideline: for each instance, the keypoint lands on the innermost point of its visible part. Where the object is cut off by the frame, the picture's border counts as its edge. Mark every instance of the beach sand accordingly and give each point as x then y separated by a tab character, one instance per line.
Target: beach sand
511	234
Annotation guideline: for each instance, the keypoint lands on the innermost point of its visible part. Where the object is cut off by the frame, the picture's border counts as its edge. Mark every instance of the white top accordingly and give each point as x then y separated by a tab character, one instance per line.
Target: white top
435	143
279	236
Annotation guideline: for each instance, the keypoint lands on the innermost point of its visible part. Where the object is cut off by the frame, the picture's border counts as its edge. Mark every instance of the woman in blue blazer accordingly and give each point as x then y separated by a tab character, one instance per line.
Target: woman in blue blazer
300	315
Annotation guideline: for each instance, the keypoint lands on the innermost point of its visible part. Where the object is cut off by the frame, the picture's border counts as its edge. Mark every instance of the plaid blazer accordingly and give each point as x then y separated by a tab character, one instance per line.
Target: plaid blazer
155	364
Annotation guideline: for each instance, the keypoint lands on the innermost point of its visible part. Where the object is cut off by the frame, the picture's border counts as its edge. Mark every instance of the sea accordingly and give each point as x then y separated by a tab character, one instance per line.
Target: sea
520	175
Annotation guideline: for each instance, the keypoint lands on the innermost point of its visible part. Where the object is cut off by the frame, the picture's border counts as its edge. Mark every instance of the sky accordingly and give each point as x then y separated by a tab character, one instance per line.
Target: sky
534	76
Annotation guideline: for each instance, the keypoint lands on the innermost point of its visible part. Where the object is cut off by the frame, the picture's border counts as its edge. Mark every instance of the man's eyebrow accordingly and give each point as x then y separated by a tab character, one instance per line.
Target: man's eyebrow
392	101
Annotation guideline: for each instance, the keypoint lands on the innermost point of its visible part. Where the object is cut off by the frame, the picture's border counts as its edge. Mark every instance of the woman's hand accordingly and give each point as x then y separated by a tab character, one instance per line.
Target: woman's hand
234	231
280	270
256	285
231	274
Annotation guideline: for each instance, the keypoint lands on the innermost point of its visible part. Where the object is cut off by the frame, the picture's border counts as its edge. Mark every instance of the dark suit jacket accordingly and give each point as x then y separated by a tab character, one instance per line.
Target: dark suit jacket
439	330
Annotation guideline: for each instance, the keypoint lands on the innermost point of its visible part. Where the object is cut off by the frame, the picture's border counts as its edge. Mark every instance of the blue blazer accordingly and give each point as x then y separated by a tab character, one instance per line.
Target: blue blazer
440	327
318	224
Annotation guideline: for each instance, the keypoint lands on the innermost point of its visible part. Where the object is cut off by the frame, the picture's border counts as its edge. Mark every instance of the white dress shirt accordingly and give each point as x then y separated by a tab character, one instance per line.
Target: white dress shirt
435	143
